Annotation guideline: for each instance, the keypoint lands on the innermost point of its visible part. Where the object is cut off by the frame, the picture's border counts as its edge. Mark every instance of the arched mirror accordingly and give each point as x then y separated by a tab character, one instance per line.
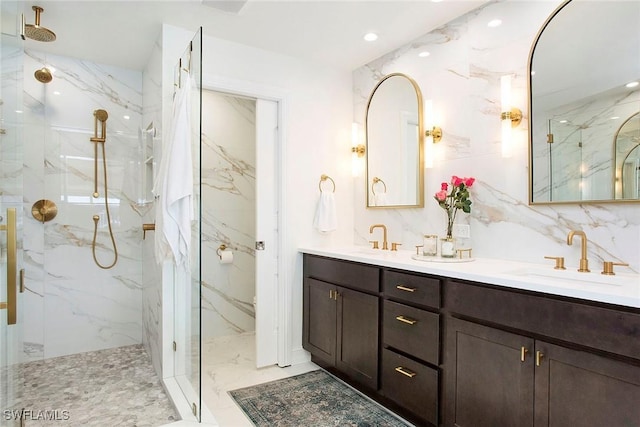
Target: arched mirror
394	138
582	74
627	155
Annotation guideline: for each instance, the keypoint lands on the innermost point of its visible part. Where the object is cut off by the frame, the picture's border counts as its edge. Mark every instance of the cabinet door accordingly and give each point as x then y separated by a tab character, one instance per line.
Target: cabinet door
487	383
575	388
358	316
319	322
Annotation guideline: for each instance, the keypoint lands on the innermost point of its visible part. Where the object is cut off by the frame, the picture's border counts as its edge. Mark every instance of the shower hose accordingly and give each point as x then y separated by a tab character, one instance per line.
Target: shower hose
96	218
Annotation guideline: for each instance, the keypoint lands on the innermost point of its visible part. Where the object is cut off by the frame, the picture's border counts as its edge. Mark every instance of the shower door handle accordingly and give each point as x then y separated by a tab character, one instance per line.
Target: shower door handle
12	266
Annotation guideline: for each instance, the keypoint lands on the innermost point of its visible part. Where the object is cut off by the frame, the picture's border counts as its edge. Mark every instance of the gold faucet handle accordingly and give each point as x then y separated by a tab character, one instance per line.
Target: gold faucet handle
559	262
608	267
394	246
375	244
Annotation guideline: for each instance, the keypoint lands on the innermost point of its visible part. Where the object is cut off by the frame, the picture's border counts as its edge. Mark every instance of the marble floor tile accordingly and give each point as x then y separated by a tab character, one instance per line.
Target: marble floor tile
229	363
114	387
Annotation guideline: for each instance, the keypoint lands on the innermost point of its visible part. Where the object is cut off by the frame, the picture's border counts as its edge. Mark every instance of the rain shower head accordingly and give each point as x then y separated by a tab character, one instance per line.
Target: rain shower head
35	31
43	75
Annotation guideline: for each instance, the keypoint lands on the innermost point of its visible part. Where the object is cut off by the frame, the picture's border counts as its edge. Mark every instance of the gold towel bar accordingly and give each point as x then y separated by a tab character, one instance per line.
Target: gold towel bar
323	178
375	181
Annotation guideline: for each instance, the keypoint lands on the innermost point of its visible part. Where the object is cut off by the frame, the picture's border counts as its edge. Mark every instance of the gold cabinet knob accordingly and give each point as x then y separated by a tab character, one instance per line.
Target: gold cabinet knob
608	267
559	262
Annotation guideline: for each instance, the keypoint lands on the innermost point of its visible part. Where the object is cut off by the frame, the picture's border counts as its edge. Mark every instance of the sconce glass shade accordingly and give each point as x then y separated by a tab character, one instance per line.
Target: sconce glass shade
505	103
429	151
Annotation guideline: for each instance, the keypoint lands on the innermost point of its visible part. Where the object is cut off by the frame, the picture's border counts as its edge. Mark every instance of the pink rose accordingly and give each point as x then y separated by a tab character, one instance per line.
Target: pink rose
441	196
444	186
469	181
456	180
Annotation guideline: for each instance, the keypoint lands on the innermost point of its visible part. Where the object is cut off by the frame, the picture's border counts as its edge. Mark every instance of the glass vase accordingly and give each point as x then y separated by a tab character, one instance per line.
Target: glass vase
430	245
447	247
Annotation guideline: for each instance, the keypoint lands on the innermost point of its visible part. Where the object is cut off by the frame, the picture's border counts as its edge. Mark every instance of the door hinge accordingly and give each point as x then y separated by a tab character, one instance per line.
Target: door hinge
194	409
550	138
175	346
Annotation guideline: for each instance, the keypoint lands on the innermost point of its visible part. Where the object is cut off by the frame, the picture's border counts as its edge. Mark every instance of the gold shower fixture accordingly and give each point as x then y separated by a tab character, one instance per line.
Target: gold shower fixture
43	75
35	31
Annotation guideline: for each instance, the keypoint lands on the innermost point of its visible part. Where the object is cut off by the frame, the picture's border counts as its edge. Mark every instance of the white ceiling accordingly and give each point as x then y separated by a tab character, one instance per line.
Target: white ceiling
122	33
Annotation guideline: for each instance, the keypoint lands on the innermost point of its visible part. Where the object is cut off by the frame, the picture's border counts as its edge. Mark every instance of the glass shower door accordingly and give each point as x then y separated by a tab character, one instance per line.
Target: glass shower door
11	198
187	295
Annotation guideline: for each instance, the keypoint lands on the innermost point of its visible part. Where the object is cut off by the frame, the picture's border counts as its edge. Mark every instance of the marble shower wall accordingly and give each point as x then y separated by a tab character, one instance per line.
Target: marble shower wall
228	213
462	77
151	271
71	305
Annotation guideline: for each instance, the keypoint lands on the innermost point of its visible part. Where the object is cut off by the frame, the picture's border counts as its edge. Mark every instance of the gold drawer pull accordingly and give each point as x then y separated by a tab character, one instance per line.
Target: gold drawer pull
406	320
523	353
405	288
406	372
539	356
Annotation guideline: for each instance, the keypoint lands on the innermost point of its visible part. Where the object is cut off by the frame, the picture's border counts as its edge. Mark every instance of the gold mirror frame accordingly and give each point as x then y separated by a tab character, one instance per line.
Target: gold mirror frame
619	178
420	163
531	137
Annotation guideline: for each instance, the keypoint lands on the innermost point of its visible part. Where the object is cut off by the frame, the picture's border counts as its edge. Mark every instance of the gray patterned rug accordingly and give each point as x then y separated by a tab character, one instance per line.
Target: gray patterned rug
313	399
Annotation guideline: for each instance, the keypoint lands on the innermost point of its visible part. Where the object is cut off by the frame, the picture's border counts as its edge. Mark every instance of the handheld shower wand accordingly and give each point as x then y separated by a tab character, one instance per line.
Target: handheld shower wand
101	116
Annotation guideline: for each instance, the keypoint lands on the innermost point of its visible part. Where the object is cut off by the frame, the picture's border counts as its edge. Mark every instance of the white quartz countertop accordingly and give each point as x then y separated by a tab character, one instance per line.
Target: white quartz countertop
620	289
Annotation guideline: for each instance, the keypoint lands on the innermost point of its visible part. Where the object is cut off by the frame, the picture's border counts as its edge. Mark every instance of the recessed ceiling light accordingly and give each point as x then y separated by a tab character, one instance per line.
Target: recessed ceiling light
424	54
563	121
126	117
494	23
19	111
632	84
55	92
533	73
615	117
370	37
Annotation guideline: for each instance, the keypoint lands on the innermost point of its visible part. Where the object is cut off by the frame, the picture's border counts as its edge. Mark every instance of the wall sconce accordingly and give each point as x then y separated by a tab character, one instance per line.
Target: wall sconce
357	150
433	134
510	116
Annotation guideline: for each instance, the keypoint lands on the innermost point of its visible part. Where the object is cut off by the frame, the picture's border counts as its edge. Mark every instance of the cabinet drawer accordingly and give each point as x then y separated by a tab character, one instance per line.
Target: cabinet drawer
411	288
412	385
599	327
344	273
411	330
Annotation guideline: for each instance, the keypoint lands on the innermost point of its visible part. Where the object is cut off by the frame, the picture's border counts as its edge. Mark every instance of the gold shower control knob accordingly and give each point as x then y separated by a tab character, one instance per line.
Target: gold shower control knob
44	210
96	195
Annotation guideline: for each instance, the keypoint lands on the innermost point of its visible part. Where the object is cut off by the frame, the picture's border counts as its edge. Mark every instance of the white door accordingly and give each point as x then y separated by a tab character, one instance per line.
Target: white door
266	233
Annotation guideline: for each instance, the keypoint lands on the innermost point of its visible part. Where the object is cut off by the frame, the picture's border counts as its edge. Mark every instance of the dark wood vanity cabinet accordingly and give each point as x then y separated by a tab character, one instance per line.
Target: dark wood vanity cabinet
341	317
411	344
442	351
506	365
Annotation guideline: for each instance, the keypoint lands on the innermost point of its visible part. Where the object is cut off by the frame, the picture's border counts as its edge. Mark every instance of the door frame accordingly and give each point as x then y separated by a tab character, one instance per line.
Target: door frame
282	309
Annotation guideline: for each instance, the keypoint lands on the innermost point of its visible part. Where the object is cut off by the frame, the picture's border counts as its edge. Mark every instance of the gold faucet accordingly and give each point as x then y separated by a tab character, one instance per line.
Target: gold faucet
385	245
584	262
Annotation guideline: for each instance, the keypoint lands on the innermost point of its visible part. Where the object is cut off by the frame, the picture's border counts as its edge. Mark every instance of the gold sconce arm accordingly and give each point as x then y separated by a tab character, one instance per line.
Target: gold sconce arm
12	267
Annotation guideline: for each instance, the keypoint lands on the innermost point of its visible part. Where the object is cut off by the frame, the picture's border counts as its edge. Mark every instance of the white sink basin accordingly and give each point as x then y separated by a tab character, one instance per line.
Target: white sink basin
574	277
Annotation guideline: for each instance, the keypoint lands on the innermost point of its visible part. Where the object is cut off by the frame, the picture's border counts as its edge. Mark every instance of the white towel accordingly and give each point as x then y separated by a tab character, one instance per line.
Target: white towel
326	218
174	184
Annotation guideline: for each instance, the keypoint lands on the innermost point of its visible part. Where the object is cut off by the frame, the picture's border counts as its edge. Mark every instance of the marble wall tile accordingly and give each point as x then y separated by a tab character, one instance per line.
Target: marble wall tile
151	271
228	213
462	77
75	306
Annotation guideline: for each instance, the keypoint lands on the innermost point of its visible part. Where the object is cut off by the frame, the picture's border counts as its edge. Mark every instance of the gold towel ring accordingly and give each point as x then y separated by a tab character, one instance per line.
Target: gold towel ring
375	181
324	177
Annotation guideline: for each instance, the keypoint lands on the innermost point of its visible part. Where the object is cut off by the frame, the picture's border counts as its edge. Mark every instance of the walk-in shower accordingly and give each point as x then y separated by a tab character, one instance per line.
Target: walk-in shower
101	116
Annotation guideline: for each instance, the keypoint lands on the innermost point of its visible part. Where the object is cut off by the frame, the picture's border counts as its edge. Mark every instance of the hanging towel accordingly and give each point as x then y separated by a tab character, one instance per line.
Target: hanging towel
174	184
326	218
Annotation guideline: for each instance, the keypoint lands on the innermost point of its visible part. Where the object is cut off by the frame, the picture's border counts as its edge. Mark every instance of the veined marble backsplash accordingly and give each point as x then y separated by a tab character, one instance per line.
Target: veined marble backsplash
462	77
70	304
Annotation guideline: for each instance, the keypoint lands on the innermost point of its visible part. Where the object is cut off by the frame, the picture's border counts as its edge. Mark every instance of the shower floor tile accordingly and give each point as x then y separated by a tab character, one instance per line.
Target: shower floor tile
114	387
